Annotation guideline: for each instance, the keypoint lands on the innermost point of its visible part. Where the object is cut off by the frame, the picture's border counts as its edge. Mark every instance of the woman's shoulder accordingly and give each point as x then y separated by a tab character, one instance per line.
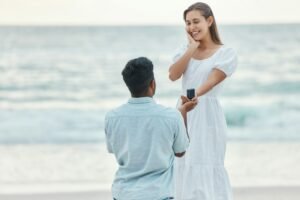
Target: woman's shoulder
226	60
226	48
226	51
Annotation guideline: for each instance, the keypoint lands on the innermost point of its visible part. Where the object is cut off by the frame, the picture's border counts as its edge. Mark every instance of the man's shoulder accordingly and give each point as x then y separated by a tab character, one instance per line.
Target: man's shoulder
167	111
116	111
155	110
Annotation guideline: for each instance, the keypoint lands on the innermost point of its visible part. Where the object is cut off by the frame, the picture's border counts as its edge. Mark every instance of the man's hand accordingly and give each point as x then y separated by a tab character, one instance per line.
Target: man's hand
187	105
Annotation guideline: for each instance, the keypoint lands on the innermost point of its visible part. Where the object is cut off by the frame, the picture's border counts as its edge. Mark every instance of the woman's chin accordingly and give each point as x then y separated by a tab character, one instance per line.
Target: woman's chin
197	38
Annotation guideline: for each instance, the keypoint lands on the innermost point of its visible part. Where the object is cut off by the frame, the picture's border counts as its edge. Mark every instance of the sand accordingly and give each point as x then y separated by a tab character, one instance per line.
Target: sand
243	193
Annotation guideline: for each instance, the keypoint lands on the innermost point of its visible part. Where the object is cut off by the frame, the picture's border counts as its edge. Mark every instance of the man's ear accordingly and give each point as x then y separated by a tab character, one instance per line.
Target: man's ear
153	86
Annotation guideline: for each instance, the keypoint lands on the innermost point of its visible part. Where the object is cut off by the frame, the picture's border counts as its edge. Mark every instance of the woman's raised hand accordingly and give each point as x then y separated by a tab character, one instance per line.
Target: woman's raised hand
192	43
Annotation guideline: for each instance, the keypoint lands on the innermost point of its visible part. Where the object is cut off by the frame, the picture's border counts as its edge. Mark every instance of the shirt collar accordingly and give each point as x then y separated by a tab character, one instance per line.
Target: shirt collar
140	100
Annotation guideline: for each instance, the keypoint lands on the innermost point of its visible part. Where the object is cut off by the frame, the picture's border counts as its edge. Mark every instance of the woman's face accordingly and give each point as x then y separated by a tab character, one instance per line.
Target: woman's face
196	25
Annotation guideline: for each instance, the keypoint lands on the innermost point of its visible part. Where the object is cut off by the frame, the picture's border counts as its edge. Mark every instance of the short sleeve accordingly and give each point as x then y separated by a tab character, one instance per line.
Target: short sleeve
227	61
181	141
179	52
107	136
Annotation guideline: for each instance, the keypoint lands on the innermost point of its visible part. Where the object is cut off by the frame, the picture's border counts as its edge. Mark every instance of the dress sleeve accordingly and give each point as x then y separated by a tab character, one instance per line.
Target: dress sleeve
227	61
179	52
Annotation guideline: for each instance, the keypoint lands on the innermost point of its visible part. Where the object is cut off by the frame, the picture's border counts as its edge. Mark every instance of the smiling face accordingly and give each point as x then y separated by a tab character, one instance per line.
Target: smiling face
197	25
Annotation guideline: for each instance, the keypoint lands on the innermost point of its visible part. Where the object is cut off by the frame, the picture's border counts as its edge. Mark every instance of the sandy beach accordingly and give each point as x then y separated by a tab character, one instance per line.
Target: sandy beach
250	193
258	171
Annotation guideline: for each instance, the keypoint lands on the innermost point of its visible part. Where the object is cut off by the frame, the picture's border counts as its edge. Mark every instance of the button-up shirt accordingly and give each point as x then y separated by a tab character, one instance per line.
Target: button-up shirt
144	136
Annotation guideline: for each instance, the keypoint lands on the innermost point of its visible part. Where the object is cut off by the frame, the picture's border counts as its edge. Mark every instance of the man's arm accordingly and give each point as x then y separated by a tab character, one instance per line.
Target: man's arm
106	128
185	107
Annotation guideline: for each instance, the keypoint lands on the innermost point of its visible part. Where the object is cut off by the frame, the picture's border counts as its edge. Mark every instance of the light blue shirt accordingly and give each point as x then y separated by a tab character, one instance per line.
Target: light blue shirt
144	137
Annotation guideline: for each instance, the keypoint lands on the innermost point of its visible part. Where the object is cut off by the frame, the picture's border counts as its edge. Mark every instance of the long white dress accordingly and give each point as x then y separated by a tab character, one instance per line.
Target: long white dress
200	174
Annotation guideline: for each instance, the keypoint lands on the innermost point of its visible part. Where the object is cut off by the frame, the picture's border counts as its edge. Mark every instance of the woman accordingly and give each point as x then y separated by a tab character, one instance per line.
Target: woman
203	64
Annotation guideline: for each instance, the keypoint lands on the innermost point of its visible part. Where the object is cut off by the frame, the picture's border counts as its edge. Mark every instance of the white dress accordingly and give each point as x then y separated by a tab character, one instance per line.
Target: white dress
200	174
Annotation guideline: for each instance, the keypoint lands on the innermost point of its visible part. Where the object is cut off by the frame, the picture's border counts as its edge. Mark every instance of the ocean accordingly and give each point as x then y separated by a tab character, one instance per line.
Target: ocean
57	83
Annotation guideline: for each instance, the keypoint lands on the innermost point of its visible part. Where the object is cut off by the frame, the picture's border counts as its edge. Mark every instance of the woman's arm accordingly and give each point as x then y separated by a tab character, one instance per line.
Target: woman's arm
214	78
178	68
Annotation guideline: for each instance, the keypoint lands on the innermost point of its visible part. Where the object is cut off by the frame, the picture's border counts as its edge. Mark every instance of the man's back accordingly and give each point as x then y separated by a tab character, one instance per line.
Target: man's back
144	137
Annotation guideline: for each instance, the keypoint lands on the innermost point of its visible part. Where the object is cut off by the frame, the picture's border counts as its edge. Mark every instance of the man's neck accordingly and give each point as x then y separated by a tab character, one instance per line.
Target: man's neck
141	96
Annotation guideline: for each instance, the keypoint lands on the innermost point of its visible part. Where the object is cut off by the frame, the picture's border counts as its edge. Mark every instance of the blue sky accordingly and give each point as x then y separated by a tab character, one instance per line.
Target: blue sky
142	12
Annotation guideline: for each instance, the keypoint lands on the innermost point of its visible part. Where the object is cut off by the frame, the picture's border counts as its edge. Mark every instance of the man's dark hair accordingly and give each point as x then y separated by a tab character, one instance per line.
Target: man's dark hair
138	74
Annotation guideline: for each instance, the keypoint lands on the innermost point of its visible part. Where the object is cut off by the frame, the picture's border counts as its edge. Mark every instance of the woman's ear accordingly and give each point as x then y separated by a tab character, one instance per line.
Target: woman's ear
210	20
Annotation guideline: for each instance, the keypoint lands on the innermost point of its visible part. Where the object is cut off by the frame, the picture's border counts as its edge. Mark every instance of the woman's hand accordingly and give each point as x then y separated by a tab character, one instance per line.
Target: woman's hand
178	68
193	44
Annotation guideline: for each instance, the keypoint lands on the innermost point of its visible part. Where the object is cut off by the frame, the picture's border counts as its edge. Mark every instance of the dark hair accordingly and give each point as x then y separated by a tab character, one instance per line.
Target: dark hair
138	74
206	12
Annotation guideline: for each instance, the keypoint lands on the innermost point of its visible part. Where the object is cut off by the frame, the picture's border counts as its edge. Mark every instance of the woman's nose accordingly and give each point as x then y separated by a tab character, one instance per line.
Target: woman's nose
193	26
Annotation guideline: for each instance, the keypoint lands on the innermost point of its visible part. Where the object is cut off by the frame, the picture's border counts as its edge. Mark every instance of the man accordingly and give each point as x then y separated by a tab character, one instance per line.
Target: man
145	137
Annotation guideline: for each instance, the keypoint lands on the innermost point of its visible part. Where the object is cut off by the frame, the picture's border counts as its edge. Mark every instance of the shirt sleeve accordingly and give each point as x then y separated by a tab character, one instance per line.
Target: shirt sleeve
179	52
227	62
181	141
107	134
